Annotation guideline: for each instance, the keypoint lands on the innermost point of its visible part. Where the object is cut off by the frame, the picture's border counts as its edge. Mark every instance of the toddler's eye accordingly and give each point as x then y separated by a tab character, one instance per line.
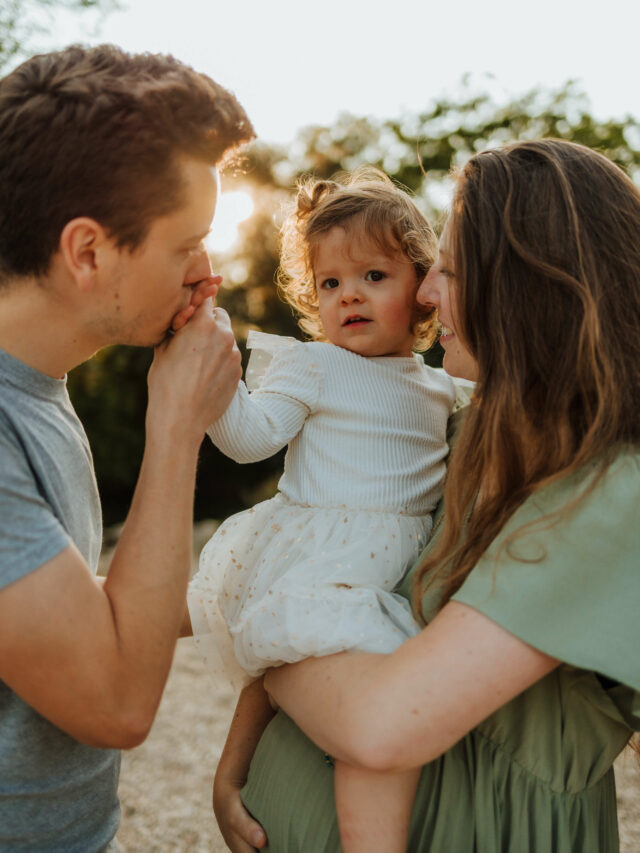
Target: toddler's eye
329	283
374	275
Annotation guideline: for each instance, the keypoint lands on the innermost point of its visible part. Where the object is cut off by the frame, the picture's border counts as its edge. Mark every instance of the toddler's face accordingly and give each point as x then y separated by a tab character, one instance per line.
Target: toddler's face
367	299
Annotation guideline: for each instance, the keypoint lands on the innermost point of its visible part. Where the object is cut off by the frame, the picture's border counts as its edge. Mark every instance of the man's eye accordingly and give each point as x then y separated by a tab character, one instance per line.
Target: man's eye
329	284
374	275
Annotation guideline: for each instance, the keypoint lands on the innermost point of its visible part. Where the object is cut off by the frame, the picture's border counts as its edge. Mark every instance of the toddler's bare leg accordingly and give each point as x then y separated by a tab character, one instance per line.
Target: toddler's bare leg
374	808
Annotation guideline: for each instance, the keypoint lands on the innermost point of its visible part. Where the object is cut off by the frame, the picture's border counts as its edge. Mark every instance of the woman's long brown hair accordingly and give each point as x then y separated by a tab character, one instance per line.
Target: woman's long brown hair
546	244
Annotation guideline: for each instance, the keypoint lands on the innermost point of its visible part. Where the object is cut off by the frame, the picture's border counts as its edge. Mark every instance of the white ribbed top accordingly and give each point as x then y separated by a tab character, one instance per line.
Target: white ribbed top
363	433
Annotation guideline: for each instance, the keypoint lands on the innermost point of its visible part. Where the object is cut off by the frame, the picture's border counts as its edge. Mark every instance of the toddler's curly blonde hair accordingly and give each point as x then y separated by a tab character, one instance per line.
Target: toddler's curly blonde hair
366	202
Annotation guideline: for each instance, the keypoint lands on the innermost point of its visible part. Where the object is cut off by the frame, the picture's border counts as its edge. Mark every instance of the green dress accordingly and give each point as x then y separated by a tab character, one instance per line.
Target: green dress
536	776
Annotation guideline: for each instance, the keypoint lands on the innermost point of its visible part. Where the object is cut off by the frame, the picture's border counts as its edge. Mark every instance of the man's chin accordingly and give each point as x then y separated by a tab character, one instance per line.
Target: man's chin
160	338
137	341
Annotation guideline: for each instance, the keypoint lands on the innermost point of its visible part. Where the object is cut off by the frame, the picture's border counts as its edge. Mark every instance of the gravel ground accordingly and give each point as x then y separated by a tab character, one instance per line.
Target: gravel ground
165	785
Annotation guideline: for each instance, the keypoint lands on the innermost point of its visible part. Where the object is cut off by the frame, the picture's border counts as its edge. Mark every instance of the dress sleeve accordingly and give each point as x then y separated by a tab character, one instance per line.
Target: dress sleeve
259	423
30	533
571	588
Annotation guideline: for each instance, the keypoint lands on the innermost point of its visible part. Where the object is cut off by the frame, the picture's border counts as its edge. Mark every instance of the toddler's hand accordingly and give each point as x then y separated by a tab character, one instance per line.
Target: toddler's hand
199	292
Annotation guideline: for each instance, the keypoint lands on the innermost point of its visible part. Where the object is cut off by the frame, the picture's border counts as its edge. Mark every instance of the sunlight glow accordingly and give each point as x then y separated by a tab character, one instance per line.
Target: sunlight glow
232	209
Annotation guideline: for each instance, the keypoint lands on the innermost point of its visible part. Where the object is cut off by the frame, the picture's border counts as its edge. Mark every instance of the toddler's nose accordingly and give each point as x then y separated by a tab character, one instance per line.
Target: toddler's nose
350	293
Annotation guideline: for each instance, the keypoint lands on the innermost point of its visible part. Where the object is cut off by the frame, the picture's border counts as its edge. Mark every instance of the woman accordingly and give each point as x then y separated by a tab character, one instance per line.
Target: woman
525	684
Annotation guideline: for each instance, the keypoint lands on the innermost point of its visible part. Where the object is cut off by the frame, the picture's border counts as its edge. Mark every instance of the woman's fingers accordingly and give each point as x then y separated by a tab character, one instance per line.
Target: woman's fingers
240	831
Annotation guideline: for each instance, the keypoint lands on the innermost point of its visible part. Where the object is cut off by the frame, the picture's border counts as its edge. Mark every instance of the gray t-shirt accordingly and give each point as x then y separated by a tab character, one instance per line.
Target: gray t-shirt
55	794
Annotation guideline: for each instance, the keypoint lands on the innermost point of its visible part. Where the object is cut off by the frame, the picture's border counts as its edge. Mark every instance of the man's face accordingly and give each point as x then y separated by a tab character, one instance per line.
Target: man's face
151	284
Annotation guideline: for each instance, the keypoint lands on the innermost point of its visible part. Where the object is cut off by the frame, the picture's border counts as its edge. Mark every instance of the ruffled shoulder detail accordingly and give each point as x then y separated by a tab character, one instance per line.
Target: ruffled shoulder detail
464	389
464	392
263	348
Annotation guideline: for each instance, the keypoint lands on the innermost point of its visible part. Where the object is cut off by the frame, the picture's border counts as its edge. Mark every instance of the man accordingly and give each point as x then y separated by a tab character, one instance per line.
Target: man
107	190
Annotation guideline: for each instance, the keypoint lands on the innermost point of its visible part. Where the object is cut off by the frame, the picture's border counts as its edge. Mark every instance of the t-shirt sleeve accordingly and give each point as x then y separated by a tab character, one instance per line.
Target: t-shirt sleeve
571	588
259	423
30	533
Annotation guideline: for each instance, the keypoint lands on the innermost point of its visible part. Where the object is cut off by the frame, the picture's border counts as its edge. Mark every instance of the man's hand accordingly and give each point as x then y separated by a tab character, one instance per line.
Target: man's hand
194	376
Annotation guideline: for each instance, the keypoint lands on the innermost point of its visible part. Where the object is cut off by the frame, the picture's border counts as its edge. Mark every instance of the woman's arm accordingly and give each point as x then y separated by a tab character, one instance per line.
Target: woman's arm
241	833
391	712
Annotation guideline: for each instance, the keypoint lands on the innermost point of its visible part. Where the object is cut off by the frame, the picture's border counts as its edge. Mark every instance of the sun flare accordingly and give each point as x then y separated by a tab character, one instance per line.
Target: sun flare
232	209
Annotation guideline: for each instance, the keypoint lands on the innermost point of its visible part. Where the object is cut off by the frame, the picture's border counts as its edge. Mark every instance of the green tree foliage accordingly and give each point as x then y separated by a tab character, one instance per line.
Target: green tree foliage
21	21
418	150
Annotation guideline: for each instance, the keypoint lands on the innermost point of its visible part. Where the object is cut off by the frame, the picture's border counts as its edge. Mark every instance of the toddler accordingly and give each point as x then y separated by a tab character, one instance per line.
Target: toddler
312	571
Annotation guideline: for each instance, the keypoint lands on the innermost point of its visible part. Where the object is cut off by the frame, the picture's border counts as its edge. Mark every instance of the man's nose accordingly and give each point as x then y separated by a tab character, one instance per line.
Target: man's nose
199	268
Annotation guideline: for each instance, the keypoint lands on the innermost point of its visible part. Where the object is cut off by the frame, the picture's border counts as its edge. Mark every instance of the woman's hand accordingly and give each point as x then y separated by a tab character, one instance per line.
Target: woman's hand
253	712
242	834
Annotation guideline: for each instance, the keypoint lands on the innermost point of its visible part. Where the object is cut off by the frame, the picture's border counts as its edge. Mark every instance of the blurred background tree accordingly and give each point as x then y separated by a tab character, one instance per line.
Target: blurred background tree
22	20
417	150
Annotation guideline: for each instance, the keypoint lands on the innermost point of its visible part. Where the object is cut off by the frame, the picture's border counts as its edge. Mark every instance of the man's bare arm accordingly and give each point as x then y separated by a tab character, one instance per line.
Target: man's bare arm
93	658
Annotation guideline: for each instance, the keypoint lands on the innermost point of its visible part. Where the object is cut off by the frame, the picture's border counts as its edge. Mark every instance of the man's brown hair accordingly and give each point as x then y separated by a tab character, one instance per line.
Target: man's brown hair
98	132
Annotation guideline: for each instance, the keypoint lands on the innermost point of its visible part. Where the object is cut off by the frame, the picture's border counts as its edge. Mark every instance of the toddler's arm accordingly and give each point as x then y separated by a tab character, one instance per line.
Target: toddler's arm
256	425
253	712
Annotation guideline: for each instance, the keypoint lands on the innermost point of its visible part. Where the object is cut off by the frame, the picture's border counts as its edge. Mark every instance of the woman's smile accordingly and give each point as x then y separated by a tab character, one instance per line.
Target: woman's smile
446	335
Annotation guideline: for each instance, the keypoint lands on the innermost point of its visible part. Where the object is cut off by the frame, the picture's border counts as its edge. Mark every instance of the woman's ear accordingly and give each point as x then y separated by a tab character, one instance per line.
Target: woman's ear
83	242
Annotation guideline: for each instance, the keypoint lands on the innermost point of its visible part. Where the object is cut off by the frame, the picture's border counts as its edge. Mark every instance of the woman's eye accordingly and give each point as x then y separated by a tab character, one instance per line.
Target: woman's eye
374	275
447	273
329	284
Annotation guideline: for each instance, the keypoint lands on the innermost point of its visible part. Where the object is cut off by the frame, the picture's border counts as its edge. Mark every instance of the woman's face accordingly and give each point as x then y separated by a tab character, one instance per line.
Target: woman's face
439	289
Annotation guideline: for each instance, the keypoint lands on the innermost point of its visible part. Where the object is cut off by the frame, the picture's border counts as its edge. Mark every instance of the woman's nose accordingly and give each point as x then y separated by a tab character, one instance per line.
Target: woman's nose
428	292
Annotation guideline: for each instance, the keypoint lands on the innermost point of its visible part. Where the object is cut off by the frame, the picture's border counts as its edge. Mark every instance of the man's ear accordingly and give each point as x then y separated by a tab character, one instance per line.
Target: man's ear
84	247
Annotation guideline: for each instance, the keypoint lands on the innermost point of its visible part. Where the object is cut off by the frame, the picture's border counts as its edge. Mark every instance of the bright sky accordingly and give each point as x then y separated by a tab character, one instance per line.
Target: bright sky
292	62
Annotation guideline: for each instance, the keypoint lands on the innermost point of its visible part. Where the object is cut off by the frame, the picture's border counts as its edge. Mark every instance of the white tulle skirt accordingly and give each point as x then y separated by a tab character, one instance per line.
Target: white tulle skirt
282	582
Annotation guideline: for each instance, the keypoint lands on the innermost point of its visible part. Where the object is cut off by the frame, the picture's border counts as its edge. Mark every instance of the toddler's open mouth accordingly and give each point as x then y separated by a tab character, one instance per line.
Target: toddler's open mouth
356	318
